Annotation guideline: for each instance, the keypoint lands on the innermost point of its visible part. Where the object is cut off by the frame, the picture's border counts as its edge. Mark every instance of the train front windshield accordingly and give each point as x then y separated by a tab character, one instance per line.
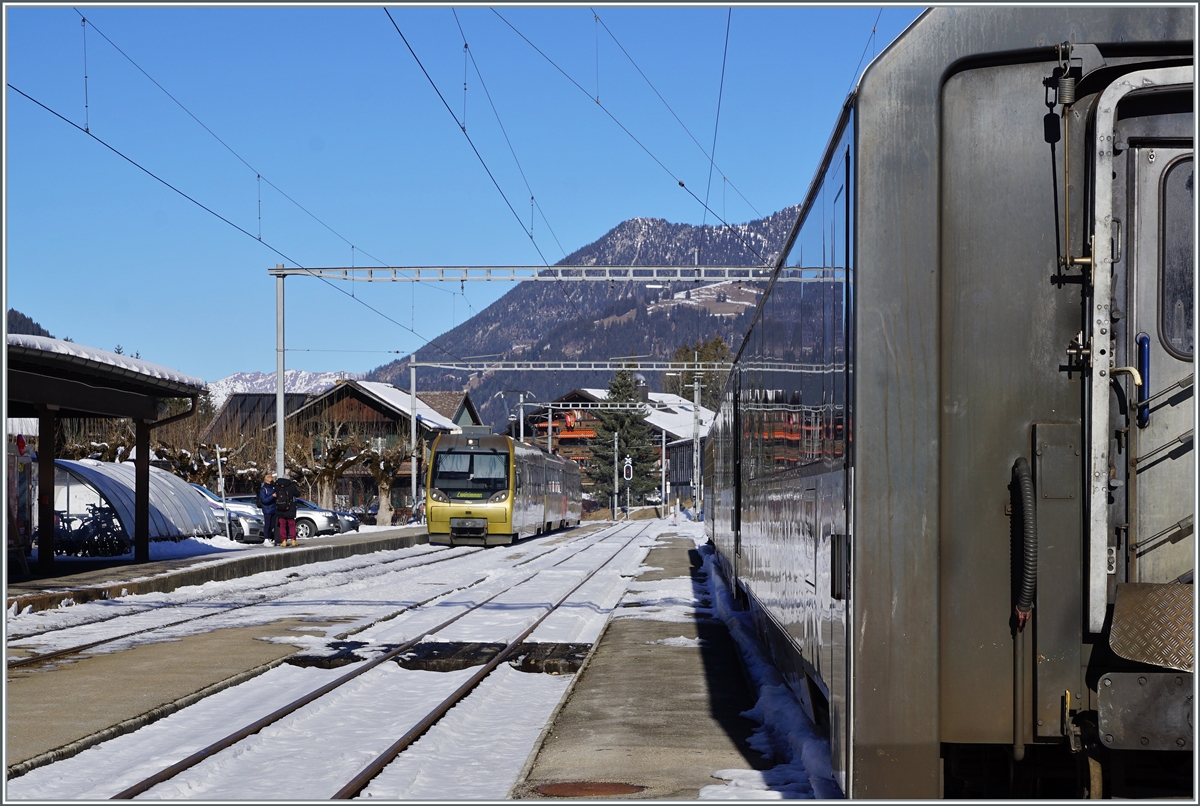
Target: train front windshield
463	475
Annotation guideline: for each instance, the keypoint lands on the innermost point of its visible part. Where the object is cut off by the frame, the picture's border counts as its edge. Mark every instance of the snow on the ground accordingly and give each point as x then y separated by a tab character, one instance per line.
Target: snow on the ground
159	550
313	751
345	729
681	641
784	734
441	766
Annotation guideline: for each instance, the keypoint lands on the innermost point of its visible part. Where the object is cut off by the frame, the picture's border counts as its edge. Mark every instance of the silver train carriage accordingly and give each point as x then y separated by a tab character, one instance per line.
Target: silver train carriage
488	489
952	474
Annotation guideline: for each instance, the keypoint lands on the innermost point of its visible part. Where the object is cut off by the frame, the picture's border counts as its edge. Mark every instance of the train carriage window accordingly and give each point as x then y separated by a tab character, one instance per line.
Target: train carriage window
1178	259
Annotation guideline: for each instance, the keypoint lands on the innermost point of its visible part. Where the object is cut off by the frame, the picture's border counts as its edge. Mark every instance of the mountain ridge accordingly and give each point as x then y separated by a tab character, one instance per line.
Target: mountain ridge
568	320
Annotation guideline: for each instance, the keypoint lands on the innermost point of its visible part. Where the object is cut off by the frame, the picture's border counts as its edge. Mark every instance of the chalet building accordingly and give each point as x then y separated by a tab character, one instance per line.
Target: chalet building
380	413
246	415
574	428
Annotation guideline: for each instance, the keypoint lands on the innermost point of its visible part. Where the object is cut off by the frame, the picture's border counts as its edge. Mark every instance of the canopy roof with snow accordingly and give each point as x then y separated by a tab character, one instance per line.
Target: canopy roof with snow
87	382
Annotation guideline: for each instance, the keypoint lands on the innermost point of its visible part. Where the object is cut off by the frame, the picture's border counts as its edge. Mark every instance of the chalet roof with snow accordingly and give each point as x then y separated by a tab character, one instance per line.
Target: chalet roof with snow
246	413
667	412
396	404
456	406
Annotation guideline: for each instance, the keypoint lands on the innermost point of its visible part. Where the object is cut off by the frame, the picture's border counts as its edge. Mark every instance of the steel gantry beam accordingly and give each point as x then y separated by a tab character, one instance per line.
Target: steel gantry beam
575	366
573	274
640	274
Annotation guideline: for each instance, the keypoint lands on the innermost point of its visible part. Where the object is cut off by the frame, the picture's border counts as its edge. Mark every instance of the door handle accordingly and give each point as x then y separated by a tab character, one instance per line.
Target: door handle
1143	362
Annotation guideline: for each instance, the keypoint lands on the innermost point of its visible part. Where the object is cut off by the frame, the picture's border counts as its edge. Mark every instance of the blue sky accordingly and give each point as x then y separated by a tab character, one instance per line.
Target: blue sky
329	106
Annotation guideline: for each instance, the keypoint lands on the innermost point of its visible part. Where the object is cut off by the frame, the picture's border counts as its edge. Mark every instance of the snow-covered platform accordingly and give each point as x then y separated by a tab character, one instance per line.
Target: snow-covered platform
191	562
658	707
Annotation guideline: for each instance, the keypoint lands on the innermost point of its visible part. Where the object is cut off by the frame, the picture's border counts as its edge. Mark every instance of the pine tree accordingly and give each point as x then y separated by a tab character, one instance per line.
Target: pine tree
635	439
712	384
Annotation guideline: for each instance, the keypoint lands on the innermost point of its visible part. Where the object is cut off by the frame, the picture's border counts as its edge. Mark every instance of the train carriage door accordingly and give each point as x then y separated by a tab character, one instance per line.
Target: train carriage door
1142	466
1160	346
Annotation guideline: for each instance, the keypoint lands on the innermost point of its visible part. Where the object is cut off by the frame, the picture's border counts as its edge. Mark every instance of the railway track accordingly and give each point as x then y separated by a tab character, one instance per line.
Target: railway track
44	657
622	535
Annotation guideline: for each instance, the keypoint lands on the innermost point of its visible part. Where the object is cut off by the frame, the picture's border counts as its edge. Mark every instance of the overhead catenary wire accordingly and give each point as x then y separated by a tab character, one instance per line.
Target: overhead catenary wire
503	131
635	139
479	156
215	214
716	123
258	176
678	120
870	39
87	117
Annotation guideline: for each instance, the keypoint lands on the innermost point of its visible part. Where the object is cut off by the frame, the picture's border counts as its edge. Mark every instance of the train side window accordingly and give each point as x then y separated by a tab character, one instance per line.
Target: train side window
1178	259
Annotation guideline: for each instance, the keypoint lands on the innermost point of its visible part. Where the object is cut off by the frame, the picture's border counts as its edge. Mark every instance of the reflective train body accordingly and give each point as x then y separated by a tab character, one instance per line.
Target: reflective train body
952	474
488	489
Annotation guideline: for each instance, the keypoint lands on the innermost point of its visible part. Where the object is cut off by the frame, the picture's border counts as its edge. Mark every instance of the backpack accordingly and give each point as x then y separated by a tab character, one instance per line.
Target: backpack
285	497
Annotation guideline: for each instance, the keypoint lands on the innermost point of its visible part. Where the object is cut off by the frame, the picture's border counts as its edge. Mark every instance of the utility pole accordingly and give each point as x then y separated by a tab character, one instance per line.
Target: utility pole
521	409
662	484
550	429
616	486
412	434
696	438
279	412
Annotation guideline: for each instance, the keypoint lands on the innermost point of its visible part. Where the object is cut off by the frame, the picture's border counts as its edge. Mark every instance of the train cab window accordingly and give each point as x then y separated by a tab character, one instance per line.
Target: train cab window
1178	259
470	475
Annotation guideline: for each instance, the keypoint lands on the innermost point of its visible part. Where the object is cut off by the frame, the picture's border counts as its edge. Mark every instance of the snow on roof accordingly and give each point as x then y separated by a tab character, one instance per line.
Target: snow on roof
72	350
670	413
402	401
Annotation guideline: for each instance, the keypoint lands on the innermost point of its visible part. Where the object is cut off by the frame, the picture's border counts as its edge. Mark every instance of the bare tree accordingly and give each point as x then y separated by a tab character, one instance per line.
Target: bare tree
384	464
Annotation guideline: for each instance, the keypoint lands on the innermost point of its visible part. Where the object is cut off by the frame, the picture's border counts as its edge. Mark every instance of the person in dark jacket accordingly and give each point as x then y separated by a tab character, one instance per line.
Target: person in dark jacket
266	502
286	493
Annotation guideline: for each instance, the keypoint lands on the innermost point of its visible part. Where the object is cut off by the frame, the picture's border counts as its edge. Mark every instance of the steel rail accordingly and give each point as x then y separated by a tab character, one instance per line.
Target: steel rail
58	653
253	728
200	601
359	781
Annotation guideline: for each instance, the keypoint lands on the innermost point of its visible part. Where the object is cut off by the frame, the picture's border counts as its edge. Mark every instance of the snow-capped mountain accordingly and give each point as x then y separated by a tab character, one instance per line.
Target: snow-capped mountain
294	380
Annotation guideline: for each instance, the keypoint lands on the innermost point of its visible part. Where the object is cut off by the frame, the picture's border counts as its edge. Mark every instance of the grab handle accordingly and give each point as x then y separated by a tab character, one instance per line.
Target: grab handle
1143	391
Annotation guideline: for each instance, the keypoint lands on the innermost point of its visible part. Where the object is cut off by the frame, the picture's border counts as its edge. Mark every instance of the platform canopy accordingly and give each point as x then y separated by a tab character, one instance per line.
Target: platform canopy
51	378
79	381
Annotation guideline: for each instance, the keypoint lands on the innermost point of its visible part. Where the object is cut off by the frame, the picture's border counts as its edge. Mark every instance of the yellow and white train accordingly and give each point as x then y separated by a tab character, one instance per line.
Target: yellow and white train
490	490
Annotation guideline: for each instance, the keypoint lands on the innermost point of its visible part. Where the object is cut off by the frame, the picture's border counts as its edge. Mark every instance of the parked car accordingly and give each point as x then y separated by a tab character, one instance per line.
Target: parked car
348	520
311	520
245	521
369	514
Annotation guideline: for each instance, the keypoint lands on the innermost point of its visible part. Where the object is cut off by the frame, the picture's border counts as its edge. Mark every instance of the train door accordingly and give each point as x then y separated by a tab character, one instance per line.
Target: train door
1160	344
1139	337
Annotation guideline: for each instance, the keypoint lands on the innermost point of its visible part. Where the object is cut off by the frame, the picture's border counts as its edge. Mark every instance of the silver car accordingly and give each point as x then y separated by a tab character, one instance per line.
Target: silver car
245	522
311	520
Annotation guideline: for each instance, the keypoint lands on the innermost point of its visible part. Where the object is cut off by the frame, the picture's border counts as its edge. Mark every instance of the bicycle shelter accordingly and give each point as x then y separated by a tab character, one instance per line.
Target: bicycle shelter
50	378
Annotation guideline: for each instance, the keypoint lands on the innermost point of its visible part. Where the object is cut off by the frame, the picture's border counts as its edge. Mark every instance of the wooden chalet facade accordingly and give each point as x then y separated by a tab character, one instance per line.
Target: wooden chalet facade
377	416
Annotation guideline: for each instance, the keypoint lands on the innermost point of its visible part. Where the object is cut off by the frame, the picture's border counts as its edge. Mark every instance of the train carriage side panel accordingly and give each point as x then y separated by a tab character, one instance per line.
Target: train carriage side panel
912	412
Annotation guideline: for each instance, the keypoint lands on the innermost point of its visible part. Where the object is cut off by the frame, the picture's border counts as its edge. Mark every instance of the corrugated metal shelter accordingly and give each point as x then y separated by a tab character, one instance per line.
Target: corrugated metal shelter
176	511
50	378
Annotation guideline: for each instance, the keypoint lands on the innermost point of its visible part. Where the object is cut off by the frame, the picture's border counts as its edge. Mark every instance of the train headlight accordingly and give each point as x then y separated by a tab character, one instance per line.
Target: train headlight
499	497
438	495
